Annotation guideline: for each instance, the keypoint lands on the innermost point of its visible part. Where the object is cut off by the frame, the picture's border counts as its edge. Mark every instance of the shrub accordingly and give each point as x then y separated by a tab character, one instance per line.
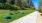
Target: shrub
9	6
17	7
6	6
40	9
27	8
10	13
1	5
14	7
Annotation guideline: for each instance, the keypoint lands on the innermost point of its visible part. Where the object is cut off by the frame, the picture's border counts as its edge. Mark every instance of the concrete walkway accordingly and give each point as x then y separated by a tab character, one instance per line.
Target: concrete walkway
31	18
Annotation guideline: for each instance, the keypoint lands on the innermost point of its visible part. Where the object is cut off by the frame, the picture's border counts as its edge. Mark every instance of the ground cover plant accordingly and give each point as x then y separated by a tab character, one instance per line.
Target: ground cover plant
15	15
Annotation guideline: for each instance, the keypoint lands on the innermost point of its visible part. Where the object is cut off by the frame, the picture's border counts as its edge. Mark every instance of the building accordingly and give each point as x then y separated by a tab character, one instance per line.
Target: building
30	3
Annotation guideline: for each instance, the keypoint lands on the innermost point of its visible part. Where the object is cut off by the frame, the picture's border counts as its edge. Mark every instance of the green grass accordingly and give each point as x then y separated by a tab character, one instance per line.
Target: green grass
15	15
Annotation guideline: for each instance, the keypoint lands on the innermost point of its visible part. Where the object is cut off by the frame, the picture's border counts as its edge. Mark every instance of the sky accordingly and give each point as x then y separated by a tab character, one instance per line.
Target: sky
35	3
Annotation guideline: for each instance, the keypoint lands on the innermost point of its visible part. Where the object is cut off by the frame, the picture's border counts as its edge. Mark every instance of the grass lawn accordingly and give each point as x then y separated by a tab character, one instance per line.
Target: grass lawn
16	15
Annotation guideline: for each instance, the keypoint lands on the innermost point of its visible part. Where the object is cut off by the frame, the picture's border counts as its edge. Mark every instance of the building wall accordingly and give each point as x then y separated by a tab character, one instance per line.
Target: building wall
30	3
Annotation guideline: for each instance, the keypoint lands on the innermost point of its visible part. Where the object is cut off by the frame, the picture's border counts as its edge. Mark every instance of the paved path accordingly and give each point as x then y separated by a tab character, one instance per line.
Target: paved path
31	18
39	18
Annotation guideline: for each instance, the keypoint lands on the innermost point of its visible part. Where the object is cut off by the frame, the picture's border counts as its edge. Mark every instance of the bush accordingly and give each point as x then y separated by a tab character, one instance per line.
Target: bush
17	7
40	9
14	7
9	6
1	5
10	13
6	6
27	8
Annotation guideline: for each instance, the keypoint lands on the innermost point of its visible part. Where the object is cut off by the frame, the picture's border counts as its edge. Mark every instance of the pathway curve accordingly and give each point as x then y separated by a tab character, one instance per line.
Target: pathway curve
31	18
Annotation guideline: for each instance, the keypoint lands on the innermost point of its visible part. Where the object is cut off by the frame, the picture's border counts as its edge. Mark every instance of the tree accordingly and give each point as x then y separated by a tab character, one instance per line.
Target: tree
22	4
8	1
40	5
18	2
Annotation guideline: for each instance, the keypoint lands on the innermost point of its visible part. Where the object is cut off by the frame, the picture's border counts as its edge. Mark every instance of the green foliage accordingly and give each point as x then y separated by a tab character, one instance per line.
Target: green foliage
31	8
25	5
1	5
27	8
15	7
9	6
21	4
40	9
40	5
5	6
14	16
10	13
